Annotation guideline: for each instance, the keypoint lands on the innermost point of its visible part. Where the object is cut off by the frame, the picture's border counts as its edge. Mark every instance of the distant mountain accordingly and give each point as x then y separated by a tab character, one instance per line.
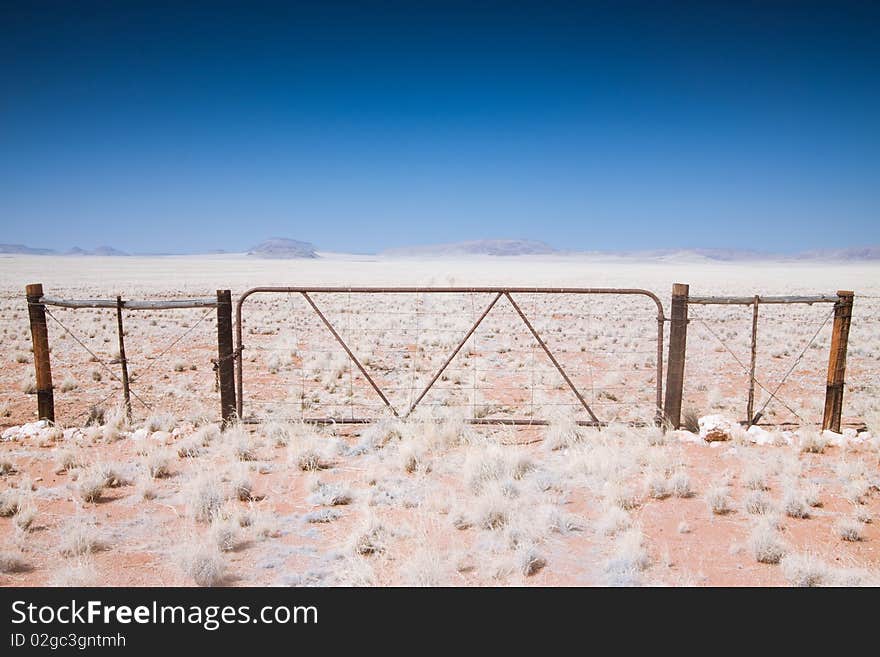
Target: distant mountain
282	247
477	247
108	251
99	251
24	250
854	254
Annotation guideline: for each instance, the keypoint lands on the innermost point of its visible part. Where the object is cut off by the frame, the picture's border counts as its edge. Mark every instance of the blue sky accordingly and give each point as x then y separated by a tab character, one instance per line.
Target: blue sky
170	127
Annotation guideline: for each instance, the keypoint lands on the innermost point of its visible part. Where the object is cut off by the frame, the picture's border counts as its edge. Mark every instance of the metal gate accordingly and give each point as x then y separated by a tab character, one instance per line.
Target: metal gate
424	339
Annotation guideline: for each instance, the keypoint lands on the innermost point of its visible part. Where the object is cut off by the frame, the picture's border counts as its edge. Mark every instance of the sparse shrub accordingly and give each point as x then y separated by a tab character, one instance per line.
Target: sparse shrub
813	495
805	570
329	495
68	384
765	544
322	516
158	463
12	561
78	536
10	502
757	503
563	432
242	485
190	447
160	422
77	572
204	564
795	505
813	442
684	528
371	539
856	490
613	521
530	561
718	499
849	529
6	467
657	486
622	496
681	485
629	556
224	533
69	459
755	478
90	484
206	498
690	421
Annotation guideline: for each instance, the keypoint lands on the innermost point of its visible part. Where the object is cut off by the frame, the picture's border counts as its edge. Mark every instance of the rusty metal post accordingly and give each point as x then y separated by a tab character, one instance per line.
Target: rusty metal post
126	391
750	409
837	361
677	346
225	355
42	362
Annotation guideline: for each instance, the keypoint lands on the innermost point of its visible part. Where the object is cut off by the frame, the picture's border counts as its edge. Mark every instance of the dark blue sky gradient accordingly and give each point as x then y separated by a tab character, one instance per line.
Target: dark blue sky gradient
360	127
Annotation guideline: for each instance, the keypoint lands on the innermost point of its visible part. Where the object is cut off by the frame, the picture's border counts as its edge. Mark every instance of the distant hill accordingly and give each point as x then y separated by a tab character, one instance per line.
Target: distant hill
854	254
99	251
477	247
24	250
282	247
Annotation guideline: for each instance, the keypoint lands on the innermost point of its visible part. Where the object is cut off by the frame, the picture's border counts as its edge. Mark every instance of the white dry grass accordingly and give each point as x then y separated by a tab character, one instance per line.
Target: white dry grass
718	499
794	503
203	563
12	561
205	497
849	529
77	572
765	543
78	536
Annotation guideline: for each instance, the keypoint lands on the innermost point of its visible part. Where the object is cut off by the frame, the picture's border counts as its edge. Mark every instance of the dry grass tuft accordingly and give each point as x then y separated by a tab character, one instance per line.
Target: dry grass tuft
849	529
78	536
719	500
204	564
765	543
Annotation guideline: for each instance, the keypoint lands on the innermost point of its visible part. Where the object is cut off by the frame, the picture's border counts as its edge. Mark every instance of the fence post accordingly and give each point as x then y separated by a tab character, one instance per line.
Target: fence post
42	363
837	361
126	391
675	363
225	365
750	408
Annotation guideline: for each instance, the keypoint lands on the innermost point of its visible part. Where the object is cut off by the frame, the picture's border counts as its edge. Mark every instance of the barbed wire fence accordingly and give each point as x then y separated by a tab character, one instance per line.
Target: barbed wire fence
142	380
496	355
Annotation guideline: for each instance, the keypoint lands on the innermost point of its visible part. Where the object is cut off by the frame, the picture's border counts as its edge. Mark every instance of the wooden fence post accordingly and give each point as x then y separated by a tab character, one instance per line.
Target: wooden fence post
837	361
751	418
678	322
42	363
126	391
225	365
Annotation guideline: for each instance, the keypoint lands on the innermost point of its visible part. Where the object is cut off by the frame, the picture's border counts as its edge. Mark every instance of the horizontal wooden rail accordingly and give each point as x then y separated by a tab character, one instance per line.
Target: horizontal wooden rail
168	304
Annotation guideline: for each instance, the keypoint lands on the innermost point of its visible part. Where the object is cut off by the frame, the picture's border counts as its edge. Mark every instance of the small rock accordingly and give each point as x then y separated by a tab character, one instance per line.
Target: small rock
715	428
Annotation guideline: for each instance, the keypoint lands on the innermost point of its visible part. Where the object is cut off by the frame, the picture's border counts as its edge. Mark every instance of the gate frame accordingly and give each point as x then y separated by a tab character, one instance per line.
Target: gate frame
499	292
681	299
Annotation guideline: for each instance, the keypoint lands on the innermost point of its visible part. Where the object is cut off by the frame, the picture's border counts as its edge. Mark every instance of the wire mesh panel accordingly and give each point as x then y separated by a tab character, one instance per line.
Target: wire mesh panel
495	355
168	354
791	361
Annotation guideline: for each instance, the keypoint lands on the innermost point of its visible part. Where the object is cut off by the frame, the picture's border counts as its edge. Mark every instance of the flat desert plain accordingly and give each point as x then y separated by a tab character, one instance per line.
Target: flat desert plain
166	498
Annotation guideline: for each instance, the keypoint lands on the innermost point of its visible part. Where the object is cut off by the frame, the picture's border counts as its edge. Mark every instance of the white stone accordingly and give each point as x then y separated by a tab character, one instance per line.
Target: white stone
715	428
